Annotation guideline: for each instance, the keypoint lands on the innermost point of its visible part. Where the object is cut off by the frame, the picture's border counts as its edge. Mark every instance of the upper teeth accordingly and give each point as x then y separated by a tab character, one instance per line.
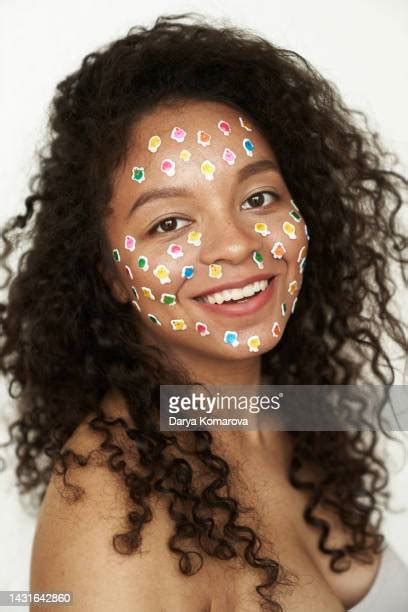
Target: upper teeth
235	294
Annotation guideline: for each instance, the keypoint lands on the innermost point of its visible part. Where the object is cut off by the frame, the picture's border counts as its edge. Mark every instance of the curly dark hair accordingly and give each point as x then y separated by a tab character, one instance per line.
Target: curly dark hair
65	341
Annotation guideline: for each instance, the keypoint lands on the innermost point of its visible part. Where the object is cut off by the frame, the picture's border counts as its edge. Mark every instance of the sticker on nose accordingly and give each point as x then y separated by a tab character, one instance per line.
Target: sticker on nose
168	166
253	344
248	147
187	271
215	271
289	230
178	324
175	250
208	169
178	134
162	273
130	243
258	259
194	237
278	250
154	143
203	138
262	228
231	337
202	328
138	174
244	125
229	156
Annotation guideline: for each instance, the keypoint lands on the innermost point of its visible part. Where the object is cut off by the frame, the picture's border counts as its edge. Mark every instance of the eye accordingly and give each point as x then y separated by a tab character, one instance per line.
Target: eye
259	198
168	224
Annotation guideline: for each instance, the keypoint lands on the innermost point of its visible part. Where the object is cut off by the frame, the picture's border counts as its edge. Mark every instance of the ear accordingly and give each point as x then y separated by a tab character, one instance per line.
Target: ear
117	288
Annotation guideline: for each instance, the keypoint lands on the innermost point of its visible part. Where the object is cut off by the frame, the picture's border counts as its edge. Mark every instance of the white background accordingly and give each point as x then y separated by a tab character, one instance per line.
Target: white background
361	46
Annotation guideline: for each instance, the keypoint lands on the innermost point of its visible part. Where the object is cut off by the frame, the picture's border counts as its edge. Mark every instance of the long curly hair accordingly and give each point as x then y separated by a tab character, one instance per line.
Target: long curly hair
65	341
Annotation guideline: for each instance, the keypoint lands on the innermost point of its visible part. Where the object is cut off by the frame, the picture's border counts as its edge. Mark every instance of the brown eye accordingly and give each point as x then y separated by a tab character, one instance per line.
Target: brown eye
168	225
258	199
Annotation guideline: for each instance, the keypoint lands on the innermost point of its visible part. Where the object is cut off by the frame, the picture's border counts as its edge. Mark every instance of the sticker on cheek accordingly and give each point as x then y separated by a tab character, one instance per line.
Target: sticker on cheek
136	304
292	287
302	265
129	271
162	273
302	253
187	271
168	298
175	250
116	255
262	228
253	343
185	155
294	205
203	138
138	174
248	147
215	271
194	237
295	215
244	125
178	324
143	263
147	292
135	293
154	143
258	259
276	330
208	169
289	230
202	328
283	308
168	166
178	134
278	250
231	337
306	232
294	305
225	127
229	156
153	318
130	243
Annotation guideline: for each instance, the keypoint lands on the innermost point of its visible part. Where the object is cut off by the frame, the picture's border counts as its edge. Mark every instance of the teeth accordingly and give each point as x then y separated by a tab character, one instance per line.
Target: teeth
235	294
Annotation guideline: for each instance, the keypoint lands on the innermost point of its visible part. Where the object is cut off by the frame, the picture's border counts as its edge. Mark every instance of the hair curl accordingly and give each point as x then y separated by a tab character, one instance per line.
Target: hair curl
65	342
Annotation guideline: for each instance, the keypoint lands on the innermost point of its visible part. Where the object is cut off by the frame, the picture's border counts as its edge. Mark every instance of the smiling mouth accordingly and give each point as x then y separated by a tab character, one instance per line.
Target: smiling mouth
236	296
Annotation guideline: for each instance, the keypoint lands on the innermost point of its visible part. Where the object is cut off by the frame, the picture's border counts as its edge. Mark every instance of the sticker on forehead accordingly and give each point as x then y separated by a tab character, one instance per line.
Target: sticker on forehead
168	166
129	271
294	304
153	318
208	169
276	330
136	304
283	308
162	273
130	243
262	228
185	155
138	174
143	263
248	147
187	271
154	143
147	292
278	250
202	328
289	230
244	125
178	134
258	259
175	250
215	271
178	324
203	138
253	343
292	287
229	156
168	298
116	255
194	237
231	337
225	127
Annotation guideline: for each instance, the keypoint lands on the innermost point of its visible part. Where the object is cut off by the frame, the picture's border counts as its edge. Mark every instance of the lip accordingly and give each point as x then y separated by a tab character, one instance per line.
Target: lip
234	285
249	306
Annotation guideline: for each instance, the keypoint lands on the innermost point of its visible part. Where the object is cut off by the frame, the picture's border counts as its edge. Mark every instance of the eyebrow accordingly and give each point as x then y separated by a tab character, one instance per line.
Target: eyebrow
176	192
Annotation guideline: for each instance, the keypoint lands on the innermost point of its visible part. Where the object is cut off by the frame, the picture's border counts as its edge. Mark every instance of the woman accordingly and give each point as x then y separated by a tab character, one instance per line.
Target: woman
186	161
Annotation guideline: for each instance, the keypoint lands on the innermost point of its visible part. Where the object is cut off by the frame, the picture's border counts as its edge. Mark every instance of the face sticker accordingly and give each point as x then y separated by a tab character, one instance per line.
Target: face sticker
185	155
147	292
276	330
231	337
294	205
294	305
143	263
306	232
162	273
168	166
208	169
175	250
292	287
194	237
136	304
243	125
129	271
225	127
203	138
138	174
248	147
154	144
253	343
187	271
289	230
278	250
202	328
135	293
229	156
130	243
302	265
295	215
116	255
258	259
283	308
178	324
215	271
301	253
168	298
178	134
262	228
153	318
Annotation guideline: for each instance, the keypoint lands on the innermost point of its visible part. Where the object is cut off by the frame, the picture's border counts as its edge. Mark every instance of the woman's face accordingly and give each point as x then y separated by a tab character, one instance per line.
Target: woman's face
207	242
